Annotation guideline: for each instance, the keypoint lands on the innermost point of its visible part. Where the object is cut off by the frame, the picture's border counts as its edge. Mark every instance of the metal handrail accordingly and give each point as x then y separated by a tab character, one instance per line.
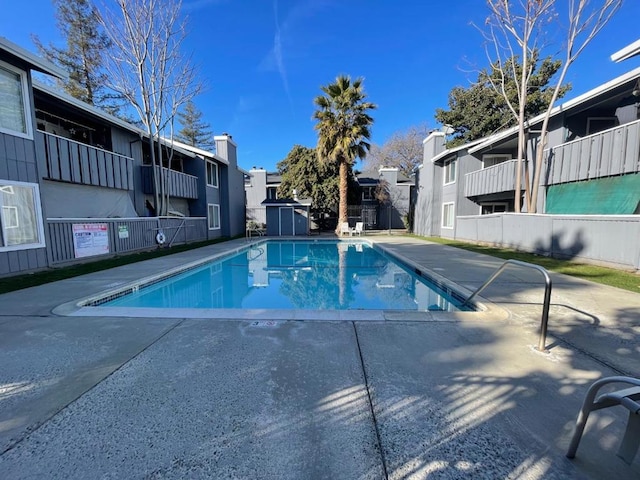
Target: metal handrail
547	295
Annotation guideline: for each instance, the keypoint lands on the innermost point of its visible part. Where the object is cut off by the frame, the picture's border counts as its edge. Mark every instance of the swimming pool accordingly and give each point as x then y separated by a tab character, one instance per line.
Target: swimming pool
294	275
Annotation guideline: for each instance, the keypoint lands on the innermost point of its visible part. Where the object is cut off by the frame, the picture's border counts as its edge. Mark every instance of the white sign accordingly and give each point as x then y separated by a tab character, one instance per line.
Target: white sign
90	239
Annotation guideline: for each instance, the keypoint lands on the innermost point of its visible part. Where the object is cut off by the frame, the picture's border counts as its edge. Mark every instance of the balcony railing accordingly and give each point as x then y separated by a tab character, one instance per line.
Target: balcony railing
612	152
180	185
615	151
495	179
75	162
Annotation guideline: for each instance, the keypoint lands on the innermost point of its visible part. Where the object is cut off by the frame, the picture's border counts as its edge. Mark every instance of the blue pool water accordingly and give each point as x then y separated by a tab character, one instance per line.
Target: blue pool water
297	275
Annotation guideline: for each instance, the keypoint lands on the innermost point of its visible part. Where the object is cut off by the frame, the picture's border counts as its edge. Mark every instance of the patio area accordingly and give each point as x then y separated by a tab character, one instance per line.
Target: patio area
454	396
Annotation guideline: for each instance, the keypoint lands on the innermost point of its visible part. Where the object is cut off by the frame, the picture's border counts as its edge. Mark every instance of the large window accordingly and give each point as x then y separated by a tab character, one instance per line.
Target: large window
450	171
214	216
448	215
20	218
15	118
212	174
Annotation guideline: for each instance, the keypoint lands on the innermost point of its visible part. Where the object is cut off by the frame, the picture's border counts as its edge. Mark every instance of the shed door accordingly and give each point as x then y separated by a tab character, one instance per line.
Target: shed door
286	221
300	221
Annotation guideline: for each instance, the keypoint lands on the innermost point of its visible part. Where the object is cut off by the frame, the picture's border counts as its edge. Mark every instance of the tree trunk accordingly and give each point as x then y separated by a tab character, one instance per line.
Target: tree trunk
342	207
155	175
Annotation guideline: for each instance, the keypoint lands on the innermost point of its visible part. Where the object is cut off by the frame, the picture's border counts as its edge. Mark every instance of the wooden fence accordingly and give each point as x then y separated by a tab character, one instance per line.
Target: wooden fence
76	239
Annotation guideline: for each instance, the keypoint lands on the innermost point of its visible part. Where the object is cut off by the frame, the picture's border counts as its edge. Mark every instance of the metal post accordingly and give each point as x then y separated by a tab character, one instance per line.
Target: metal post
547	296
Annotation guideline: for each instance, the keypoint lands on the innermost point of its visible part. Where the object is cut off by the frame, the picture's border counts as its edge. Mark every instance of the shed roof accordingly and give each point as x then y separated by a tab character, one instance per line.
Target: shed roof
287	202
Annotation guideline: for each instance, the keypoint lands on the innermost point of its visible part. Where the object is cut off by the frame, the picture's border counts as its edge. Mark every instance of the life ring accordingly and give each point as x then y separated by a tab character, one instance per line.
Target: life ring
160	238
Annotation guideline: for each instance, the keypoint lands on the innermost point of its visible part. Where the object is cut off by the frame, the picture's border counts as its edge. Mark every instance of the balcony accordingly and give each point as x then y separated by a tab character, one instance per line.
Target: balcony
75	162
612	152
180	185
495	179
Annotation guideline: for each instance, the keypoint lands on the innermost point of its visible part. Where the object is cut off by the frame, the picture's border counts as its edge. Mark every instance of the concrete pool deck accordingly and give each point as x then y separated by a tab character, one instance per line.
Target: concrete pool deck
454	396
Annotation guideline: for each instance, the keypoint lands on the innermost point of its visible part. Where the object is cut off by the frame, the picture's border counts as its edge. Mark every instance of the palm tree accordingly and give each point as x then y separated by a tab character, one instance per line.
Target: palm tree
343	129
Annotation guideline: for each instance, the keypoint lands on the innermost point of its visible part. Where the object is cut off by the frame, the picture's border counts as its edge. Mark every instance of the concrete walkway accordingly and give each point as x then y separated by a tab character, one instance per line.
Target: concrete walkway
456	396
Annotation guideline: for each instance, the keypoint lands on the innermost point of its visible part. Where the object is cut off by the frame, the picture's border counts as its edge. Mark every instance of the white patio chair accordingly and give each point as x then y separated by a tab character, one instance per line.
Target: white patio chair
344	228
359	228
628	398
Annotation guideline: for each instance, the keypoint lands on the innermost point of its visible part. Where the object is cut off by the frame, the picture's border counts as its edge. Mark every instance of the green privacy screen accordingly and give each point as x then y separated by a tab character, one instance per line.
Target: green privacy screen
604	196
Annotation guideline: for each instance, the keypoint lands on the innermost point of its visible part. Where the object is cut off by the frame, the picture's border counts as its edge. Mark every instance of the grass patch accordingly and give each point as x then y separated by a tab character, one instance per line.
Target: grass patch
603	275
9	284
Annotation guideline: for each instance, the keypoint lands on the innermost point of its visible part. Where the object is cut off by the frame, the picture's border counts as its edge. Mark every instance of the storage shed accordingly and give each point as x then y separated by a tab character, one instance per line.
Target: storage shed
287	216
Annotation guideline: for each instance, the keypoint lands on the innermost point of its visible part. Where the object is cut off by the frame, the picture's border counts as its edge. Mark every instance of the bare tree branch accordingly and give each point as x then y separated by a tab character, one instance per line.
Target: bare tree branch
147	68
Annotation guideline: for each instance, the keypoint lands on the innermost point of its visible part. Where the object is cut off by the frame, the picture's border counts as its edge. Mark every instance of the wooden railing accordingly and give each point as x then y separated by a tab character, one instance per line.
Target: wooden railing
612	152
179	184
494	179
118	235
75	162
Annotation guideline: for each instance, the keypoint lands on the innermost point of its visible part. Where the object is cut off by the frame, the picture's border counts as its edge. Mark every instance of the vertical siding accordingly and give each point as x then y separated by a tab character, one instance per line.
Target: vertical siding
75	162
179	184
613	152
18	163
141	235
495	179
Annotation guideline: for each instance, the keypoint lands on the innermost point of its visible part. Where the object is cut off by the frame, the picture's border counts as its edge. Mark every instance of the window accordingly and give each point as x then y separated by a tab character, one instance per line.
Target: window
599	124
450	171
489	208
214	216
20	217
494	159
448	215
272	193
212	174
15	117
368	193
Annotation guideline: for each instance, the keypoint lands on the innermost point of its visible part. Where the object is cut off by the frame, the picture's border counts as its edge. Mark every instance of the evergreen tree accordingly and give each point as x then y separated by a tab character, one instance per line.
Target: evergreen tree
195	131
301	170
82	57
478	111
313	179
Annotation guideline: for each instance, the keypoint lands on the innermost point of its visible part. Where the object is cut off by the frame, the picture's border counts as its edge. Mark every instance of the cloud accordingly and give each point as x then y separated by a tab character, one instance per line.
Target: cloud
275	58
277	53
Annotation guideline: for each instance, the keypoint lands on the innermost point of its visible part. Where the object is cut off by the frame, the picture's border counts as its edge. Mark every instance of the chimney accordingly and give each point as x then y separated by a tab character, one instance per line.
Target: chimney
226	148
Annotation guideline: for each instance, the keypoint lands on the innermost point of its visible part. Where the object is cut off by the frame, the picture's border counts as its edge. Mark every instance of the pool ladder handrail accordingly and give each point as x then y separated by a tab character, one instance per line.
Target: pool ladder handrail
547	295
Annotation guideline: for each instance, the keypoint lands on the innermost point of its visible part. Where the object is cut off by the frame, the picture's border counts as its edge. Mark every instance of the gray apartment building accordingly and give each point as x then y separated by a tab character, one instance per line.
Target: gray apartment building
589	197
70	171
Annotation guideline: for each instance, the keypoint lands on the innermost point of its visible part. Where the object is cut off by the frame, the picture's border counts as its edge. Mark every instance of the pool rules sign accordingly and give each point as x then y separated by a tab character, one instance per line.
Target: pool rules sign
90	239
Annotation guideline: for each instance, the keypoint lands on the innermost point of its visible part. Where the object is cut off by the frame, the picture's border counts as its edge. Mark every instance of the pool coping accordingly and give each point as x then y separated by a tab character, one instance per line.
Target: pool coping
83	306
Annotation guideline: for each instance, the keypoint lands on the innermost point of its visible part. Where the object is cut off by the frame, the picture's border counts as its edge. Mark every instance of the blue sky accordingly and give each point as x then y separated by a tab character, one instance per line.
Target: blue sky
264	60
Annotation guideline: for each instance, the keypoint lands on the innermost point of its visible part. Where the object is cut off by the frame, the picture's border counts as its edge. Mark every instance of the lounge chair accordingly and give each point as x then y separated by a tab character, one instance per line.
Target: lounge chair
344	228
628	398
359	228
